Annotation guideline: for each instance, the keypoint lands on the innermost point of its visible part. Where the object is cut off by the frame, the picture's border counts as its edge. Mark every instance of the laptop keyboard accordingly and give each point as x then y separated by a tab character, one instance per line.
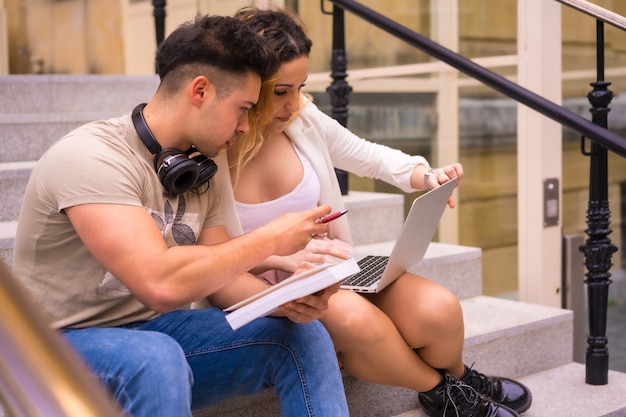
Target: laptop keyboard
371	270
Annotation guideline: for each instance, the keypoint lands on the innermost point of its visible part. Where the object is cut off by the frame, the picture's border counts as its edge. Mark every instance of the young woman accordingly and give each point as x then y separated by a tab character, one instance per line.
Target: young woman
409	335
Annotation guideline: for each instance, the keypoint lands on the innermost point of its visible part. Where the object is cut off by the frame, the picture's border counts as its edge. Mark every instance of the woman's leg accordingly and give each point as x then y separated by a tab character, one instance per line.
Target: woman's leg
298	360
370	347
133	365
429	318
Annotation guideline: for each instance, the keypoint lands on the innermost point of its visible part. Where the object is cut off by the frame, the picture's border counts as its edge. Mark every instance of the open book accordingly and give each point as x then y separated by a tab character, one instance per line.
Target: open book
292	288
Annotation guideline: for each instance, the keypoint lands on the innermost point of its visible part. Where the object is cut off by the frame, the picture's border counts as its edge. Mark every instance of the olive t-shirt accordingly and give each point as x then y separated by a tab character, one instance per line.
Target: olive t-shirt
100	162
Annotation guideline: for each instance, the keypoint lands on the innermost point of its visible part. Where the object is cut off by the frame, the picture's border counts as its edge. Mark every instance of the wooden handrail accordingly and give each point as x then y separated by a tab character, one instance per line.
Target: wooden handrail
597	12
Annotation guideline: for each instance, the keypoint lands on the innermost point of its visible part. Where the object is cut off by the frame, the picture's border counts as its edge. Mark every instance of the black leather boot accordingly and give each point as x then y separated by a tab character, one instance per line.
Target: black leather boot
502	390
453	398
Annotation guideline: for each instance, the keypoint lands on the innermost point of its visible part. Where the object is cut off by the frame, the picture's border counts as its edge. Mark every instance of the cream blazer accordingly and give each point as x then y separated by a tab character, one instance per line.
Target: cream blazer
328	145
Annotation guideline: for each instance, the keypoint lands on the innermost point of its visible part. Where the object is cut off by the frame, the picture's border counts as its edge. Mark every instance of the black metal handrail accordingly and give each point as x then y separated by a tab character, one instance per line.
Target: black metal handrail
339	90
499	83
598	248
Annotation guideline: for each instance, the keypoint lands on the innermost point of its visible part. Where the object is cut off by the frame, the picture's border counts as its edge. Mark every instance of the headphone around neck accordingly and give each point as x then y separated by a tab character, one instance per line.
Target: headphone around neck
178	171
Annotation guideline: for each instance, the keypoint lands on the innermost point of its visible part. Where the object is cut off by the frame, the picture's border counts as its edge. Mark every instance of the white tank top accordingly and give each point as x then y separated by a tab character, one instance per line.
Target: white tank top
304	196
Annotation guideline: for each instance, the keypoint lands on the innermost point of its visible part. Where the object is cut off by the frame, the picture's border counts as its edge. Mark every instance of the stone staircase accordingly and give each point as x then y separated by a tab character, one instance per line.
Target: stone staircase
503	337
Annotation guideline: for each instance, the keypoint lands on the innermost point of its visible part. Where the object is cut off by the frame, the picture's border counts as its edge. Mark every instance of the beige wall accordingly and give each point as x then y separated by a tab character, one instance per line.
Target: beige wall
367	45
117	36
139	28
140	33
68	37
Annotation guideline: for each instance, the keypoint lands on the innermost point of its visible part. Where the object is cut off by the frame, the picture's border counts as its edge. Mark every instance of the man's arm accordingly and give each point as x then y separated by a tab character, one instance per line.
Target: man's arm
303	310
127	242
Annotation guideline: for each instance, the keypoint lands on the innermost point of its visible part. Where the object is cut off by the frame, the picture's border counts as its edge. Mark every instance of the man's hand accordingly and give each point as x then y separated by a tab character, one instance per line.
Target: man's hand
291	232
309	308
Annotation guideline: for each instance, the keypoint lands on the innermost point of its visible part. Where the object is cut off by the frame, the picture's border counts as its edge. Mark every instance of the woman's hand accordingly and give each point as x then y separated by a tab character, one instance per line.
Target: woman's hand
434	177
309	308
317	251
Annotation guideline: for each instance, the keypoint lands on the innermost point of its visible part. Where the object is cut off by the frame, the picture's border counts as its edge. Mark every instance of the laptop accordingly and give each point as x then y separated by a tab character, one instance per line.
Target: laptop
378	271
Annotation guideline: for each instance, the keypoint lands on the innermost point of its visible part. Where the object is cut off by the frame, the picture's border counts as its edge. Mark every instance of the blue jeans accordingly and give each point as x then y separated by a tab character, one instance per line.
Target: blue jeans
189	359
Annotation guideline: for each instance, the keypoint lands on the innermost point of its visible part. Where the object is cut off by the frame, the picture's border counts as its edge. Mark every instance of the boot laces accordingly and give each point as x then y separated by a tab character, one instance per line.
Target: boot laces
458	395
479	382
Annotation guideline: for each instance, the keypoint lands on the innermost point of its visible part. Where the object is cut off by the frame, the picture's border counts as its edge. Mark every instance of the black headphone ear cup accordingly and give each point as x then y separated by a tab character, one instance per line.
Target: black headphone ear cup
207	168
176	171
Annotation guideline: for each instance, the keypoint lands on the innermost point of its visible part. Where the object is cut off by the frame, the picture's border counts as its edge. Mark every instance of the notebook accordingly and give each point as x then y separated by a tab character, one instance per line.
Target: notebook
378	271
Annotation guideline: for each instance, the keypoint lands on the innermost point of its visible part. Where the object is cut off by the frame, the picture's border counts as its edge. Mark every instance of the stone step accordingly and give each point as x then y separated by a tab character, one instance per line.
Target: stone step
55	93
13	179
562	392
36	110
25	137
7	235
513	339
374	217
518	340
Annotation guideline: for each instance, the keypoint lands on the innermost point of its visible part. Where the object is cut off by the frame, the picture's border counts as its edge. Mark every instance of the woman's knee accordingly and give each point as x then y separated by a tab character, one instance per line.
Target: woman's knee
443	309
351	316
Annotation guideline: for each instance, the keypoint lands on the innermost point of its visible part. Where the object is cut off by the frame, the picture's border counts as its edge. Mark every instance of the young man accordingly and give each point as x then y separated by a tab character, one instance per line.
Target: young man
120	231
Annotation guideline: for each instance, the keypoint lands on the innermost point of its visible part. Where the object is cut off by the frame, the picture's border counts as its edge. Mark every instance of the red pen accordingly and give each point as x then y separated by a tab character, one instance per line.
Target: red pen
331	217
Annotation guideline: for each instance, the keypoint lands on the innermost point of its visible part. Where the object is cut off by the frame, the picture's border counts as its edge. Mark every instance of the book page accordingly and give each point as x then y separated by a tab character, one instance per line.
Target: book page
280	285
301	285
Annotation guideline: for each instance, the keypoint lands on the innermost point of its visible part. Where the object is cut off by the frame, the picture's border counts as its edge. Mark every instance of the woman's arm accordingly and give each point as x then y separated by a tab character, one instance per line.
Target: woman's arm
363	157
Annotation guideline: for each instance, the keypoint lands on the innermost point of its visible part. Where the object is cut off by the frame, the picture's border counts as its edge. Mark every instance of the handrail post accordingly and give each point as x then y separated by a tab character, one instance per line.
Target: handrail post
598	248
159	19
158	12
339	90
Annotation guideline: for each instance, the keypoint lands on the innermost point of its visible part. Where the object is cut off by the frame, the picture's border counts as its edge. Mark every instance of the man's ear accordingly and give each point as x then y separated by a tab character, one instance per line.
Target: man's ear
202	89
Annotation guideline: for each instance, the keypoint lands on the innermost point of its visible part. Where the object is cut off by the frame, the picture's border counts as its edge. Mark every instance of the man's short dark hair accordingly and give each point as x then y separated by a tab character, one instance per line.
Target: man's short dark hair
213	43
